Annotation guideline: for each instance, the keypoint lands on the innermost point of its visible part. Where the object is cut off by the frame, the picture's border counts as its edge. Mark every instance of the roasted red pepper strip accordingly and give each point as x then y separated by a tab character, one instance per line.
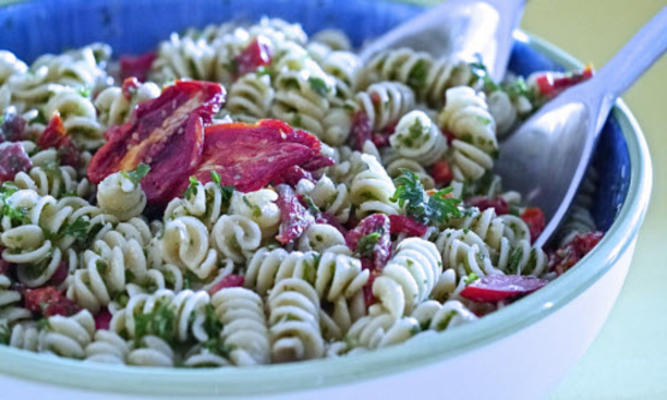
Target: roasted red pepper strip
294	217
227	282
55	136
48	301
406	225
258	53
492	288
166	133
137	66
13	159
250	156
483	202
571	252
381	251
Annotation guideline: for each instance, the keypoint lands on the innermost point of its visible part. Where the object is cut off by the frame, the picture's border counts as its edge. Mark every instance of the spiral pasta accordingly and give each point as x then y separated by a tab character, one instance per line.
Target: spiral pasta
115	108
466	116
381	257
428	77
409	276
371	189
294	330
251	97
118	195
418	138
185	243
385	103
241	312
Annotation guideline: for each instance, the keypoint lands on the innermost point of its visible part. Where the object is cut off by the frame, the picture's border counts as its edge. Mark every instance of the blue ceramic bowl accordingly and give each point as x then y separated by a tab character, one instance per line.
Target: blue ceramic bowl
536	338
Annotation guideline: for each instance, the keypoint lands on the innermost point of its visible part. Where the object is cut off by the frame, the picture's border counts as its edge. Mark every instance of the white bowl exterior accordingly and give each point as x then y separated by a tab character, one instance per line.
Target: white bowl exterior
523	365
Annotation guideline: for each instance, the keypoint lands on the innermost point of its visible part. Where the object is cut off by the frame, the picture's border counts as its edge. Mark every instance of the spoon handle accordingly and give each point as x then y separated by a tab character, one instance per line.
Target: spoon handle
645	48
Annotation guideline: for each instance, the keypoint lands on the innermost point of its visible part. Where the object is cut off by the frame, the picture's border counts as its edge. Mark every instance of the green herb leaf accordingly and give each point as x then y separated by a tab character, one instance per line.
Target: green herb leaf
431	210
138	174
472	277
367	243
226	190
161	322
192	188
319	86
215	177
256	211
417	77
84	91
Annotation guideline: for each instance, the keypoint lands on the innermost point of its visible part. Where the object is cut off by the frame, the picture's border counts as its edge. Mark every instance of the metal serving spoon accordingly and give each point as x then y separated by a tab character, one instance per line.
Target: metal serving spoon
462	27
545	159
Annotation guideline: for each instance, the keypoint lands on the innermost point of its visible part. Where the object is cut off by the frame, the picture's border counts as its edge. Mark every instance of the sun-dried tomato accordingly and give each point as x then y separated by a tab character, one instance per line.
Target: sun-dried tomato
369	297
379	226
406	225
361	130
12	128
137	66
534	218
103	319
55	136
493	288
48	301
258	53
227	282
13	159
483	202
166	133
130	86
294	217
250	156
442	173
574	250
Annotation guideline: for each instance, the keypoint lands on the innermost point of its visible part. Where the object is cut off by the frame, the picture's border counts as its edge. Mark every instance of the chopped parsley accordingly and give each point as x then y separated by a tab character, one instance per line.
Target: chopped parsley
225	190
138	174
192	188
161	322
318	86
481	73
84	91
256	211
515	258
417	77
472	277
367	243
430	210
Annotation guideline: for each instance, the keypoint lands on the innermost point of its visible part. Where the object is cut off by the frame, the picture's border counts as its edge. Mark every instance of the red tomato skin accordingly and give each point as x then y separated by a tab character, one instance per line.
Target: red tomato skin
227	282
166	133
136	66
442	173
534	218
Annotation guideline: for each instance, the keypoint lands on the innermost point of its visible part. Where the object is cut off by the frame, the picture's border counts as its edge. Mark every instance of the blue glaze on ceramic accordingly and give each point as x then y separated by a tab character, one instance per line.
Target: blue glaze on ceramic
37	27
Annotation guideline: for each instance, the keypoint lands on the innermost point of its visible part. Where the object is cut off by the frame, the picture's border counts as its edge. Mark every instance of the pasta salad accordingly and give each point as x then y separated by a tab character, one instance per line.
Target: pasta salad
247	195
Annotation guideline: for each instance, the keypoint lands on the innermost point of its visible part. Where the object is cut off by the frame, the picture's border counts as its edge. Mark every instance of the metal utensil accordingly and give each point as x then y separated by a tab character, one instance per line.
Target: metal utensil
461	27
545	159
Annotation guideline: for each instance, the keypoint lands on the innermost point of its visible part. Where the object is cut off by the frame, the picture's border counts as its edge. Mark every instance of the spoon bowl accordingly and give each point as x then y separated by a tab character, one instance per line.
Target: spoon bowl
545	159
466	28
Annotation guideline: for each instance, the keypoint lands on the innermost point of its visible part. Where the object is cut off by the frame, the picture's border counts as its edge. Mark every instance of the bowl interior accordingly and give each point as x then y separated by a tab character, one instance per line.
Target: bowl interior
33	28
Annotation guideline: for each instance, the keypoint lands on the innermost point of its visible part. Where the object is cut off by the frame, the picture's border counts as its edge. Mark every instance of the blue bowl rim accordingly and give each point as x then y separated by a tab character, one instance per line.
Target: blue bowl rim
328	372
